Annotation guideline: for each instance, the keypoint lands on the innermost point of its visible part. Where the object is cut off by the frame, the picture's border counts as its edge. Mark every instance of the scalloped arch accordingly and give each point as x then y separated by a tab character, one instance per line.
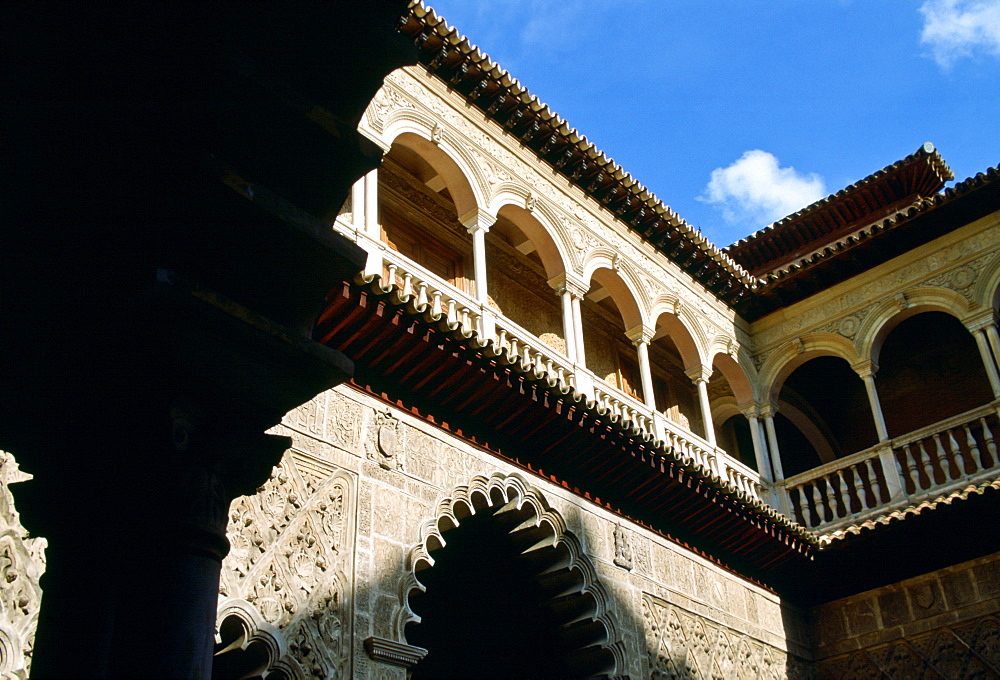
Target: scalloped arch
505	492
257	630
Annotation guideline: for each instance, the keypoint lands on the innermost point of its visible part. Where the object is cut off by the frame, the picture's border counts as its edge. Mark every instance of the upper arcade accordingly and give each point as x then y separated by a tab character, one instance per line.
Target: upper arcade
760	363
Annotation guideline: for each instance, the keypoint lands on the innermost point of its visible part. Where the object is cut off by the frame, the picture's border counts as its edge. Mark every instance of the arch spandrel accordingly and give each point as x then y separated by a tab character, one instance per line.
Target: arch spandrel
453	162
546	239
886	316
794	353
614	273
986	289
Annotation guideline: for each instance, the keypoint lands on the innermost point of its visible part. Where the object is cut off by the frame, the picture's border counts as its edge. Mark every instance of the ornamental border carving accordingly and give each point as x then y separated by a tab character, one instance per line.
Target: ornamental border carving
955	267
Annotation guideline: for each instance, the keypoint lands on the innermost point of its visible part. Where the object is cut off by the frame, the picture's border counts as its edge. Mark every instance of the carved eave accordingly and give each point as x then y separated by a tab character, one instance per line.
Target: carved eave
465	69
416	360
878	242
879	196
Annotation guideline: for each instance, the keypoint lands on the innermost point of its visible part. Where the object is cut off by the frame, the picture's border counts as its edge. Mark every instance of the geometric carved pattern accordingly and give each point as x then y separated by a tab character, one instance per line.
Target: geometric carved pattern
291	559
22	562
683	645
968	650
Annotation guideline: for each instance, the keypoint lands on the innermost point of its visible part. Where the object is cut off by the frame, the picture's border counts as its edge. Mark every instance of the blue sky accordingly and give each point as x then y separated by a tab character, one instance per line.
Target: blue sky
738	112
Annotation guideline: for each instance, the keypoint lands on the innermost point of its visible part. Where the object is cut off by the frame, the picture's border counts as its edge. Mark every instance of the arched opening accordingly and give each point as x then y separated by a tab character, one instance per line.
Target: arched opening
609	310
419	188
500	520
733	436
503	600
521	257
824	402
672	352
929	370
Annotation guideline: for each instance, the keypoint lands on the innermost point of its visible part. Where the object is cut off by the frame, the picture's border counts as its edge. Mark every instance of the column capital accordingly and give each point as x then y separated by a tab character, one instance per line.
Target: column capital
750	409
699	373
865	369
563	282
477	219
640	334
980	322
768	409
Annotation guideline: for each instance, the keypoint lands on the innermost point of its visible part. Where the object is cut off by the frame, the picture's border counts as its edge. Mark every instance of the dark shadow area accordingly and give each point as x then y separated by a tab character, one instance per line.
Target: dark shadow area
929	354
497	606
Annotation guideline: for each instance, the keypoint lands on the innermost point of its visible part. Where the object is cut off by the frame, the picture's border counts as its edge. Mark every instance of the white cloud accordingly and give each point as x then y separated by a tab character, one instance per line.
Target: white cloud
954	29
754	191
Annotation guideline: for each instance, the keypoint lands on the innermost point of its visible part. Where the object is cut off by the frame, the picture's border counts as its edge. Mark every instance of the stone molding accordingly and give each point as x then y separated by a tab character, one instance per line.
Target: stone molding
392	652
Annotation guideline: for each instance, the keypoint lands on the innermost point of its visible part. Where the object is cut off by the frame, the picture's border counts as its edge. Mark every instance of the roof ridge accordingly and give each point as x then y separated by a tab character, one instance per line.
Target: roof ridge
926	150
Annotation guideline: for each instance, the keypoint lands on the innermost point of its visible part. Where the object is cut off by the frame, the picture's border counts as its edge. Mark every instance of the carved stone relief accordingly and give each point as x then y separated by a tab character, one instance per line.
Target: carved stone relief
292	559
948	268
681	644
22	562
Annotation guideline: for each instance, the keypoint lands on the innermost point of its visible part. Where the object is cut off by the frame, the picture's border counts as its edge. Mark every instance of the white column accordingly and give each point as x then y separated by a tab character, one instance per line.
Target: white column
581	358
759	447
358	204
640	337
779	495
991	369
772	442
569	330
867	371
699	376
372	227
564	289
365	208
478	222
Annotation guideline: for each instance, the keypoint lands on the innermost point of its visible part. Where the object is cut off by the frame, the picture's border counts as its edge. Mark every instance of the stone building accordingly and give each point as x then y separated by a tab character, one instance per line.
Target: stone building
583	441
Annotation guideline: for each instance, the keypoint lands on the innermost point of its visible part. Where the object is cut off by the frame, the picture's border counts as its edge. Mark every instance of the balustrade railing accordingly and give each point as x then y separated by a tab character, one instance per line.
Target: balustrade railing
623	406
949	454
426	289
532	352
413	282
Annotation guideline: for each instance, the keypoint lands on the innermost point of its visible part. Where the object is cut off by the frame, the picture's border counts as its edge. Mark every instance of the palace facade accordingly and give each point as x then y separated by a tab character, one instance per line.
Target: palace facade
581	440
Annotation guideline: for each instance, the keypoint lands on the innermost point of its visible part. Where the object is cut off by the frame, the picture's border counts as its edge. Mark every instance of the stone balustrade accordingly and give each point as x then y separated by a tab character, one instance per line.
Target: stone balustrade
413	282
520	345
903	472
623	406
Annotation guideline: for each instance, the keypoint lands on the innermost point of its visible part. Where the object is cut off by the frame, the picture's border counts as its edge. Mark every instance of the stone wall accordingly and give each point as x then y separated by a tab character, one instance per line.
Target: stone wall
942	624
323	555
